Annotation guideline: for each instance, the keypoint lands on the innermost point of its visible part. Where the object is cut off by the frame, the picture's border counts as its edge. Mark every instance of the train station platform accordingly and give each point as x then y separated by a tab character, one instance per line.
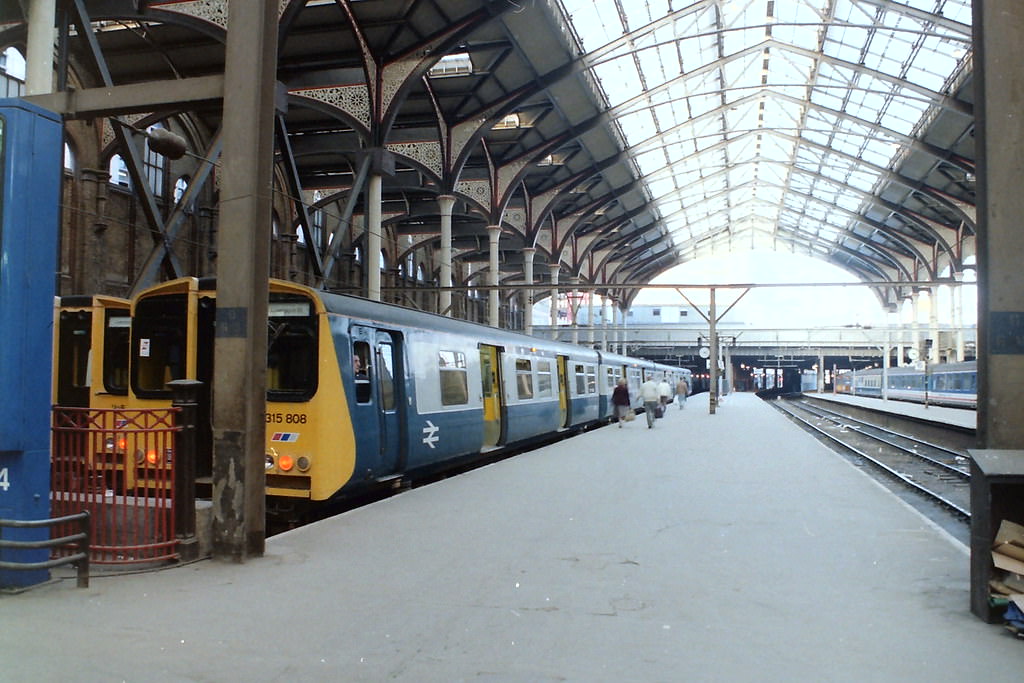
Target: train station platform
726	547
957	417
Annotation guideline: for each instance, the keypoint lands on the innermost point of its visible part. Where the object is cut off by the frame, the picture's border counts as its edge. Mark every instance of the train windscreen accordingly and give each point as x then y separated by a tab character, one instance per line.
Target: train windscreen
291	348
159	344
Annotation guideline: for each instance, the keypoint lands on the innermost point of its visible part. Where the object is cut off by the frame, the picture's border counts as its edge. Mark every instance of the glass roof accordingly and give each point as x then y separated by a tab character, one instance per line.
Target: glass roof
754	120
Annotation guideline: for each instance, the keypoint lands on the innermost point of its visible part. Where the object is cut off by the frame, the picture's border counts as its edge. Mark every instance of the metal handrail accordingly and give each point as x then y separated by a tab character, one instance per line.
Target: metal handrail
81	539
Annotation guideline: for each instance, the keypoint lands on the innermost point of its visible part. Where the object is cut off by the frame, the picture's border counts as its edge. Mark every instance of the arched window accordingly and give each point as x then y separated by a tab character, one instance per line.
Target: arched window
275	226
357	255
69	158
410	265
317	218
180	187
119	172
383	260
154	166
420	276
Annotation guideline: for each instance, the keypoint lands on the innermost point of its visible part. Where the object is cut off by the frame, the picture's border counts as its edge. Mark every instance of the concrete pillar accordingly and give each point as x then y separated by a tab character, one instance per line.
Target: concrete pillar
999	142
447	203
933	323
39	49
821	373
373	238
622	331
713	357
616	321
900	350
240	346
915	323
605	312
528	256
554	268
591	336
957	299
574	311
494	277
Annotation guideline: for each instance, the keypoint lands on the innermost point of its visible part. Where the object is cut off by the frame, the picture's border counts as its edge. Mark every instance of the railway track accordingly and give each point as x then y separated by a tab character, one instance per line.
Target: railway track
934	473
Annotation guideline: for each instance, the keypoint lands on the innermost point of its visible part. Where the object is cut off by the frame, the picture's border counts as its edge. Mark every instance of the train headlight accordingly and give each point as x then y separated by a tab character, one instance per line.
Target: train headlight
303	463
151	457
269	462
140	456
285	463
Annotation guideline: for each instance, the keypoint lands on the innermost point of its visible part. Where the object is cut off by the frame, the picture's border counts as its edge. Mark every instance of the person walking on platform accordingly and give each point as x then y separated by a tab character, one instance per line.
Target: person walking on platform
620	399
664	394
652	399
682	391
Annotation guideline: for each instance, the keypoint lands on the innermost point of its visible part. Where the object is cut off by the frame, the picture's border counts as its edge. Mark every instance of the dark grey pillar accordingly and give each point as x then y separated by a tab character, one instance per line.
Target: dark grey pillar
999	136
240	354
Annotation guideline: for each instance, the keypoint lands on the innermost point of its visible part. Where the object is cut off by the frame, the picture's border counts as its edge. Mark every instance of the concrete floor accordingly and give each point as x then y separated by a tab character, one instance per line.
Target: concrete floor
727	547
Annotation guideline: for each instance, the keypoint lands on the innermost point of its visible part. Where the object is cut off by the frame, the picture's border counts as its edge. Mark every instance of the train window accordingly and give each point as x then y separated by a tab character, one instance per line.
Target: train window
454	378
581	380
361	368
291	350
543	378
116	349
591	379
524	378
159	344
74	359
611	377
386	374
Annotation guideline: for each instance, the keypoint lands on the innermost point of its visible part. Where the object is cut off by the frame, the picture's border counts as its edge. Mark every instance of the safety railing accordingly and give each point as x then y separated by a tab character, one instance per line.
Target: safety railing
78	542
119	465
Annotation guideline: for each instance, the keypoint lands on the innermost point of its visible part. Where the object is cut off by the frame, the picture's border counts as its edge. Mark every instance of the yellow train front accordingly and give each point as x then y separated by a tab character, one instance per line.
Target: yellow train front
361	394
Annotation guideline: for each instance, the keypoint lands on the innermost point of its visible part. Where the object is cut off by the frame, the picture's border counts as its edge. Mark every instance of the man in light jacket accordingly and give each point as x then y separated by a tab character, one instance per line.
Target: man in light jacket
651	397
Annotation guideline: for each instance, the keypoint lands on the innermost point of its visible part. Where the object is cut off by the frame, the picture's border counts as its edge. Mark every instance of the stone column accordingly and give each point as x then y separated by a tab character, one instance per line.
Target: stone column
528	255
373	238
554	268
604	322
447	203
591	332
494	277
933	323
39	58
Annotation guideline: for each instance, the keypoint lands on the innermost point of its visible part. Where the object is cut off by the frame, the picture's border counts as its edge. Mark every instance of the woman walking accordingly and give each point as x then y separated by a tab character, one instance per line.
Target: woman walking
620	399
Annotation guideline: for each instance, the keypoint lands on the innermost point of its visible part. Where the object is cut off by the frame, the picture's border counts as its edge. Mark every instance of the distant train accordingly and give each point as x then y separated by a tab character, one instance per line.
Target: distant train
360	393
949	384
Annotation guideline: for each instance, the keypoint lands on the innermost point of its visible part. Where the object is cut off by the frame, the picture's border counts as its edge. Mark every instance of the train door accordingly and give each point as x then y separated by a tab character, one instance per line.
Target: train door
376	412
389	390
563	390
490	378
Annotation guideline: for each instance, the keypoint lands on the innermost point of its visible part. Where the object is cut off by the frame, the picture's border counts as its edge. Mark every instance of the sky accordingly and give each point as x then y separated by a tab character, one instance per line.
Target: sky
790	306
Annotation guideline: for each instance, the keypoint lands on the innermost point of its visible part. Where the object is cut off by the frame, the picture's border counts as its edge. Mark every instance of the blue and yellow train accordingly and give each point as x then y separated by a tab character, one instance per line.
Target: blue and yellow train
950	384
363	394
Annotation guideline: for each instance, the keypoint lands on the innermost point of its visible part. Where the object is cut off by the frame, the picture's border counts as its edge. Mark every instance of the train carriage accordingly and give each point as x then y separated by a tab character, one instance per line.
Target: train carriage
951	384
361	393
89	387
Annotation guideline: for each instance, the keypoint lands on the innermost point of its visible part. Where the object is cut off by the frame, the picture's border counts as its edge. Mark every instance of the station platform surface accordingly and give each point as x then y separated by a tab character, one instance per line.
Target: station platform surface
958	417
726	547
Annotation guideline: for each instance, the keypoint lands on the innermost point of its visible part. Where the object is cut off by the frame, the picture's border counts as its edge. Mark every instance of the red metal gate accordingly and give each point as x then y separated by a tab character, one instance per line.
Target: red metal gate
118	465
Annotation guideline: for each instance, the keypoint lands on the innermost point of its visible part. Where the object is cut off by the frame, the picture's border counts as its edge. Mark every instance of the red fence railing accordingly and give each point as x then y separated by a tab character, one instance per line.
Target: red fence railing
118	465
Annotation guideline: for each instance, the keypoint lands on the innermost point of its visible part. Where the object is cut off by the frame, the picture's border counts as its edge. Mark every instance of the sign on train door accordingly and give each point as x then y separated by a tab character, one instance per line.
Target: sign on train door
563	390
378	404
490	379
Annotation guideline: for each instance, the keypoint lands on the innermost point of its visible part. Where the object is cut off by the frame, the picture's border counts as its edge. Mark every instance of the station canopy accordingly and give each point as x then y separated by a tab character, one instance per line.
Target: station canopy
613	138
838	128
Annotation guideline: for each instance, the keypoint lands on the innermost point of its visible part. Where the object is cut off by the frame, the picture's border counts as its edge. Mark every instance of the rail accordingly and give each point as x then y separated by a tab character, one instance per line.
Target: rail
80	539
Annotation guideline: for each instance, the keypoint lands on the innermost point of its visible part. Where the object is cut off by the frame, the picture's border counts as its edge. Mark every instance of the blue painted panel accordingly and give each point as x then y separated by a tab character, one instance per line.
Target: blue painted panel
30	171
437	437
530	420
